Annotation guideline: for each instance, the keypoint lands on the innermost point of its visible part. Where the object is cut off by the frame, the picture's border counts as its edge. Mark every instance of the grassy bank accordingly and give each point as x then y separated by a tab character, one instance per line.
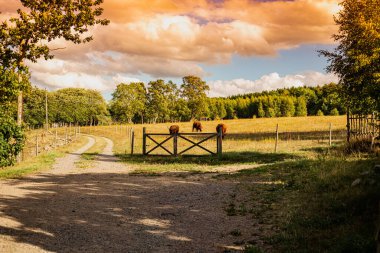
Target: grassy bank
40	163
312	205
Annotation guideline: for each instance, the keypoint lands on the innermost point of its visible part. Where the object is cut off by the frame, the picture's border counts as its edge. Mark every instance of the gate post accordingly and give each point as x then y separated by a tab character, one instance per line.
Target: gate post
132	140
175	144
144	140
219	141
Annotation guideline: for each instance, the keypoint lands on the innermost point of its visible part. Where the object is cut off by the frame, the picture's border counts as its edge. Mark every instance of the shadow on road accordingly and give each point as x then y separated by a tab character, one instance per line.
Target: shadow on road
116	213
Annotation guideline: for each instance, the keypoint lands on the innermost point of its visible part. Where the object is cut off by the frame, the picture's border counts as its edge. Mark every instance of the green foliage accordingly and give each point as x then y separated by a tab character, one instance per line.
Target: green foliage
11	141
334	112
161	100
70	105
11	83
40	22
193	89
78	106
261	112
301	107
128	101
356	60
320	113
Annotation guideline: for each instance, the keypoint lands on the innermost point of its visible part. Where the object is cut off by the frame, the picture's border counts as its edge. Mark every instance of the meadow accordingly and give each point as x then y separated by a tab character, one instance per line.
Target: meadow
309	196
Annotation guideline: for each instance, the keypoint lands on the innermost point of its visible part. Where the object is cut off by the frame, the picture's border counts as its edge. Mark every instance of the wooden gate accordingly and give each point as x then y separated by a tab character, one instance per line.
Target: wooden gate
183	136
363	126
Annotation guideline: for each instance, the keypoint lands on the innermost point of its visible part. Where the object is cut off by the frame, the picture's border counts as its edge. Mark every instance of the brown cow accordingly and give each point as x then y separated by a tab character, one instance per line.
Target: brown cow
197	126
223	128
174	129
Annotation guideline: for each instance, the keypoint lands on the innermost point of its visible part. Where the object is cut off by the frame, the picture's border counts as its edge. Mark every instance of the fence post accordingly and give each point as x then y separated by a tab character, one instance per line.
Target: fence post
275	147
132	140
144	140
330	137
348	126
36	145
219	142
175	144
66	140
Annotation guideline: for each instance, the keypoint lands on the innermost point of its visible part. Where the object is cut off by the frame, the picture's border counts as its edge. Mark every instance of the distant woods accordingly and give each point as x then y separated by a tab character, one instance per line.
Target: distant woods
160	101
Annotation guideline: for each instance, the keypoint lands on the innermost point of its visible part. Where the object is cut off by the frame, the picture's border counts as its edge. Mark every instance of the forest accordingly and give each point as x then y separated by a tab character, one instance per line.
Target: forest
160	101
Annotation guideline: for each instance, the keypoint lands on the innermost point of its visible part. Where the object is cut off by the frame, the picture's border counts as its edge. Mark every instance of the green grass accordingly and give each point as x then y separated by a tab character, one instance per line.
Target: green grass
312	204
40	163
159	164
87	159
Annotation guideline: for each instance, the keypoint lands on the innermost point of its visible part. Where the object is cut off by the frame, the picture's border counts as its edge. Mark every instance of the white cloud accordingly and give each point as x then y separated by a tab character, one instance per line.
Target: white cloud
268	82
125	79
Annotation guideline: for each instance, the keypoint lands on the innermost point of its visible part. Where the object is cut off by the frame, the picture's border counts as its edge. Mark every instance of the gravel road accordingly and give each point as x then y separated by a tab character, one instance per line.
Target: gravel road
105	209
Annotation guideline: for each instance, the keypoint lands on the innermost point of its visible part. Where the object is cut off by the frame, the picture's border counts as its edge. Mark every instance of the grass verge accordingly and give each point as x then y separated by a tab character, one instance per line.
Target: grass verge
312	205
40	163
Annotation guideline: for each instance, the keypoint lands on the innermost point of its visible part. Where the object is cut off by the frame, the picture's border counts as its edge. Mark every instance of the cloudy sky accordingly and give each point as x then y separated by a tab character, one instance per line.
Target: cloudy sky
237	46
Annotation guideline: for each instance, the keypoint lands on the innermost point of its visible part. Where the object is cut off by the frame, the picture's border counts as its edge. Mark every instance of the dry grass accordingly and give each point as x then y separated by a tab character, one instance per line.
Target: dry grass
297	134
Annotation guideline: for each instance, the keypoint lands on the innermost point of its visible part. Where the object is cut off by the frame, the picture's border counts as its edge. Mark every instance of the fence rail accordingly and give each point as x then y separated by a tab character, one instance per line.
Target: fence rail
176	137
41	140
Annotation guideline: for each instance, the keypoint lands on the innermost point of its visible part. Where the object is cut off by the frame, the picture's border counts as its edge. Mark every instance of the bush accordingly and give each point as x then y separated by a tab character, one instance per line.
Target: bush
334	112
11	141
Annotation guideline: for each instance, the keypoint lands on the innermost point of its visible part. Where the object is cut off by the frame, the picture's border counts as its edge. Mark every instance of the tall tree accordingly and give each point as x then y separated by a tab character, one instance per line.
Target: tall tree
194	91
356	59
301	107
161	100
127	101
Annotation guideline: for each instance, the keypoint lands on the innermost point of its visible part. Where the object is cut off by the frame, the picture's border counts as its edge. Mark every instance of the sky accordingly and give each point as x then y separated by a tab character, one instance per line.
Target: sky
236	46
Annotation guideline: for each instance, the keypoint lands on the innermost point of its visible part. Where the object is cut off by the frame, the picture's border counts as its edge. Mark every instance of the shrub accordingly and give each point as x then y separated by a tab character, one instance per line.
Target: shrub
11	141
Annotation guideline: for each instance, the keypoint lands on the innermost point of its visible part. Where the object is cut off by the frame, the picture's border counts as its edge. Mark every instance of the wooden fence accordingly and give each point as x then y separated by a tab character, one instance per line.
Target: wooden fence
182	136
363	126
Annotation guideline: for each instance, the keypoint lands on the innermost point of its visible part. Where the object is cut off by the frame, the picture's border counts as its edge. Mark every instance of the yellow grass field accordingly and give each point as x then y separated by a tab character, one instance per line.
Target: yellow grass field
242	134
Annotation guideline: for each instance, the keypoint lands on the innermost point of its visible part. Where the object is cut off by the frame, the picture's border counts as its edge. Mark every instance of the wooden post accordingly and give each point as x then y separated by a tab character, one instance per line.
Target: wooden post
56	137
132	141
219	142
19	108
46	111
66	140
348	126
37	145
276	144
144	140
175	144
330	135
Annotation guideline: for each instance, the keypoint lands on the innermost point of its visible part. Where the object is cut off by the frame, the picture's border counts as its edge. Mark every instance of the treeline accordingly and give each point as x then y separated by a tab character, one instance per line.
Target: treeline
161	101
289	102
71	105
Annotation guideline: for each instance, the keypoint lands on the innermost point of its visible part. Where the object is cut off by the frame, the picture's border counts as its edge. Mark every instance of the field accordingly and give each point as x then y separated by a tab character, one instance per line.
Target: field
242	135
309	196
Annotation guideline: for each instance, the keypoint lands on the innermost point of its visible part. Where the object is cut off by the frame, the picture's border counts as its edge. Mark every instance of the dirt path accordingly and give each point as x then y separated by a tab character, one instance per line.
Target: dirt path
104	209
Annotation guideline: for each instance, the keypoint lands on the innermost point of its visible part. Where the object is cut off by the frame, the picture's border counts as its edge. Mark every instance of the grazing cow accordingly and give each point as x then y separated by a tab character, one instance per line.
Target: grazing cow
223	127
197	126
174	129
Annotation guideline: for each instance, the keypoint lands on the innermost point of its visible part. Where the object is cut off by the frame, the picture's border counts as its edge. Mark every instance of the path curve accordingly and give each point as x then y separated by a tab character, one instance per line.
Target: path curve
66	164
106	161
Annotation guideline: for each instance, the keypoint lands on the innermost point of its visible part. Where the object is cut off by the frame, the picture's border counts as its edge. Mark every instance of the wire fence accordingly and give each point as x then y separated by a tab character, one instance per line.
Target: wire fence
128	139
41	141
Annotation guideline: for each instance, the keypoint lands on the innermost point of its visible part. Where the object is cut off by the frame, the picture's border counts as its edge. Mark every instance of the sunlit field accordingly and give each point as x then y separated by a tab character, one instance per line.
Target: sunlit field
296	134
